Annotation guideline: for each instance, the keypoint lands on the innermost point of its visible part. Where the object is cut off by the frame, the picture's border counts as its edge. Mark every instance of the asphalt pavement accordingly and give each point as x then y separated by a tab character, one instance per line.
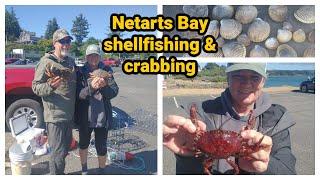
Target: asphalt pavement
135	131
301	107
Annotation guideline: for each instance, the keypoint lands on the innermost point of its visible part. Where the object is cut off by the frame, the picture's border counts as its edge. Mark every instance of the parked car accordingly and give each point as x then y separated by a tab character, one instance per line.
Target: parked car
79	62
121	61
11	60
20	62
30	62
111	62
305	86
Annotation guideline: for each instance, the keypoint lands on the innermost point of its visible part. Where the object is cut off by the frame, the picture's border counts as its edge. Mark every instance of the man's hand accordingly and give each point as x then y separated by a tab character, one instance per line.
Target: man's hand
178	134
257	161
55	82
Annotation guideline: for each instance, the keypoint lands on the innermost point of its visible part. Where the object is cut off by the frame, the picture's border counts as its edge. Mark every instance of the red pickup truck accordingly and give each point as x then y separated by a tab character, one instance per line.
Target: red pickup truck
111	62
19	95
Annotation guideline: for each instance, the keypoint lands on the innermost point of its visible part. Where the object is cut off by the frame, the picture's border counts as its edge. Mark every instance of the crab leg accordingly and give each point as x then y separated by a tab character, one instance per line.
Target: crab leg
246	149
207	162
193	115
49	74
235	167
252	120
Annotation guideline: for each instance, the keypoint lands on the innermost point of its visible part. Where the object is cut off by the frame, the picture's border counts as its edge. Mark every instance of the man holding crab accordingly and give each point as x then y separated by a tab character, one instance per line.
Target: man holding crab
58	94
241	131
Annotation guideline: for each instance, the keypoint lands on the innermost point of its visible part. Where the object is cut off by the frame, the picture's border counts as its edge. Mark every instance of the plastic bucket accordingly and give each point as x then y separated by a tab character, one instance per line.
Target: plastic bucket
21	157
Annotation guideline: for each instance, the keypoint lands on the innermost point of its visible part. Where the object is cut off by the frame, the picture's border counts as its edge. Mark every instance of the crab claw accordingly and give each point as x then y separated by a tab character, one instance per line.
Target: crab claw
193	114
48	72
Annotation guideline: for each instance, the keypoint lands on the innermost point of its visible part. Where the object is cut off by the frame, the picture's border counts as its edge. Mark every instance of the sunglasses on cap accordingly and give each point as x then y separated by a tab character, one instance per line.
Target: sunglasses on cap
63	41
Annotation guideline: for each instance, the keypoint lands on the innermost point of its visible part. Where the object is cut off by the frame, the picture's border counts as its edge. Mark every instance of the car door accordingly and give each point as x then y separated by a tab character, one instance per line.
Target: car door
311	84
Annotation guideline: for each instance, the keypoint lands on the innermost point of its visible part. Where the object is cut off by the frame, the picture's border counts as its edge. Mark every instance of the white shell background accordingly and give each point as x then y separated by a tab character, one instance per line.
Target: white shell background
173	10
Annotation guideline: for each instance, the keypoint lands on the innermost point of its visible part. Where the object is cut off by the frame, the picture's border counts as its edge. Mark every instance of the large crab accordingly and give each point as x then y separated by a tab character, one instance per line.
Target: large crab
65	73
221	144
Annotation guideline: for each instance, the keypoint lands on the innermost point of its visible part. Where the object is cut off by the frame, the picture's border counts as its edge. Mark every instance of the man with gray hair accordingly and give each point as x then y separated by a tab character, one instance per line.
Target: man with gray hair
58	93
243	107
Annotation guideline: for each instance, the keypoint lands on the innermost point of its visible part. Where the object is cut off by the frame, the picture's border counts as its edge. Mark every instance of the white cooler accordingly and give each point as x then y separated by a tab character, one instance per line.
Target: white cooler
22	132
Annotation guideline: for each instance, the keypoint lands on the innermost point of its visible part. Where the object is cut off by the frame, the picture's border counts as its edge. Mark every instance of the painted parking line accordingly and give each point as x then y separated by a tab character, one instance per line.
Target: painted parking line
175	101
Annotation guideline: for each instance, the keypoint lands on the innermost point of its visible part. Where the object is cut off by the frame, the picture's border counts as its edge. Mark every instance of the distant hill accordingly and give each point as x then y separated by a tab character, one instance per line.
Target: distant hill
213	72
291	72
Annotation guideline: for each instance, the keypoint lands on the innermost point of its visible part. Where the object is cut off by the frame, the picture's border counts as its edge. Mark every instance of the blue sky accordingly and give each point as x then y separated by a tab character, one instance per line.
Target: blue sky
35	18
282	66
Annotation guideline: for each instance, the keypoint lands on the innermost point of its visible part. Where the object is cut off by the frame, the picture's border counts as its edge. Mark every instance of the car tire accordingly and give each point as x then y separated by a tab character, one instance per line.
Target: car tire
304	88
30	106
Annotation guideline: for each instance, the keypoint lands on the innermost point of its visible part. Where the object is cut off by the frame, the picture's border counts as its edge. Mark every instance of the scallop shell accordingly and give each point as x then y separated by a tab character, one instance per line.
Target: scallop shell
100	73
212	55
259	30
213	29
259	51
244	39
311	36
222	12
309	52
234	49
220	42
246	14
278	13
299	36
284	50
196	10
284	35
305	14
230	28
287	26
271	43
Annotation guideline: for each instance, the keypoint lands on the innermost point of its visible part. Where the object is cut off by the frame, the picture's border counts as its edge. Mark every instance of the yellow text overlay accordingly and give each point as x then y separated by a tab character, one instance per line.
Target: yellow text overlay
149	43
161	66
120	22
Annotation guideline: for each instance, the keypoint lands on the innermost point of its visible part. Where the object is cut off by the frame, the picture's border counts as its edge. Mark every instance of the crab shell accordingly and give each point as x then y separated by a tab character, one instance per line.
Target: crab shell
219	144
62	72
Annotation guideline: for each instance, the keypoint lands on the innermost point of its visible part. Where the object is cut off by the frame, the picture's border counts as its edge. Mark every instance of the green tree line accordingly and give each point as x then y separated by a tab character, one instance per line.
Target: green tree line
80	30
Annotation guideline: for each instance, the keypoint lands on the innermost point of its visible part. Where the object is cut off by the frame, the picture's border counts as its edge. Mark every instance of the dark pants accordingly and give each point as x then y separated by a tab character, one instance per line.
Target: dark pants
59	139
100	138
